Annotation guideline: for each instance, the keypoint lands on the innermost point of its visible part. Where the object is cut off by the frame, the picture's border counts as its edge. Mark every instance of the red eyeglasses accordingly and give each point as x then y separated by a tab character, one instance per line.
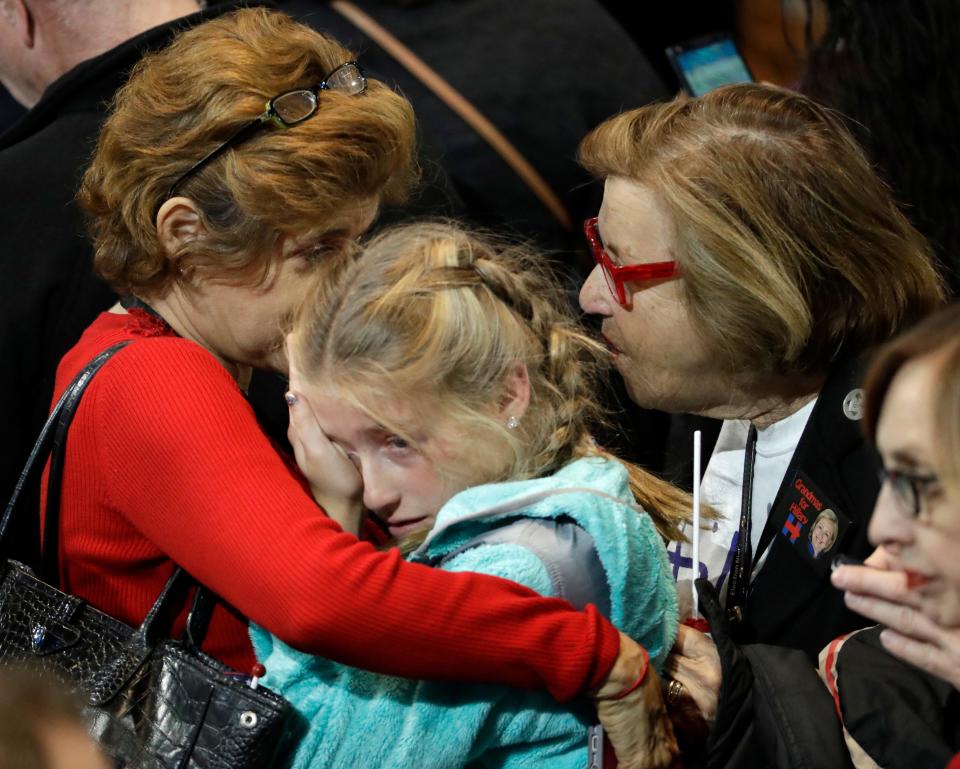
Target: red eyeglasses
616	275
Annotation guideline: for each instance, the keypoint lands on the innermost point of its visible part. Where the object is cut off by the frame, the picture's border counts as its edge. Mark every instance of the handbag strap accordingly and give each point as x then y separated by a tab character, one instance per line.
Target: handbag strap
64	412
53	442
41	449
459	104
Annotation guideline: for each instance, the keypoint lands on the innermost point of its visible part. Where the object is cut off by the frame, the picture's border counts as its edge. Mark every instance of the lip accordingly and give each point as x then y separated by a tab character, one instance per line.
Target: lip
400	528
916	580
614	350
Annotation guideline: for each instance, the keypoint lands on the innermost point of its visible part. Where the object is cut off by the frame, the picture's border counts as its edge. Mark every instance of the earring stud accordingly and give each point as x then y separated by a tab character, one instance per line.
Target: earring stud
513	423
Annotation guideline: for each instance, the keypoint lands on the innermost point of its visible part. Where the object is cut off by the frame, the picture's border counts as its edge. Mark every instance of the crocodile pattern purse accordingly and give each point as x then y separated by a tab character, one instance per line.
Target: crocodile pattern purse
151	702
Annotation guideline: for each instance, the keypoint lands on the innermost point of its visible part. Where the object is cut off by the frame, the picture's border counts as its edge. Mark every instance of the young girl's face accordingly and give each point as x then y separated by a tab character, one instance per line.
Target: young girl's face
401	484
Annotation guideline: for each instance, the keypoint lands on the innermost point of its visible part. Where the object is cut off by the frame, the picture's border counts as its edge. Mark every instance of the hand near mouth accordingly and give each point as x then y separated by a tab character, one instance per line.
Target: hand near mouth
891	597
877	579
916	638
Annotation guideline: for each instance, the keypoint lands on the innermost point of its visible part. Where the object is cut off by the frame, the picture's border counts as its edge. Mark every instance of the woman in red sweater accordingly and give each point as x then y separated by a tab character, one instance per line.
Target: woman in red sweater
204	207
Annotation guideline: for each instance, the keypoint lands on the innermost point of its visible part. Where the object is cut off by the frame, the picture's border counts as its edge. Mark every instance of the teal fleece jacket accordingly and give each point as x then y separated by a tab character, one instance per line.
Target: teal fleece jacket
360	719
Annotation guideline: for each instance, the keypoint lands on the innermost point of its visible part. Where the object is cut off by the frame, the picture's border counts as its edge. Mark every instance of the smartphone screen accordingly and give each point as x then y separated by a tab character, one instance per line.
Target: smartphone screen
704	64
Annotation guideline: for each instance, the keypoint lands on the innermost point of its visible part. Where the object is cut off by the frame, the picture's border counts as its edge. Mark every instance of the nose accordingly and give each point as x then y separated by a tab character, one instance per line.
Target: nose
595	297
888	524
380	497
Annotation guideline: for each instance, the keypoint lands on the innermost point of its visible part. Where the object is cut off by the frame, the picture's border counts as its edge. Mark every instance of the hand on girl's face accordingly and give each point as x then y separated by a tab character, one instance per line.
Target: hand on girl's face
335	483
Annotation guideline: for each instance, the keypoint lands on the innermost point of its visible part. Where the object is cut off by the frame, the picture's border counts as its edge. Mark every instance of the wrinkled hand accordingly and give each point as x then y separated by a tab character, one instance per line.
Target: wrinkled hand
637	725
695	663
334	481
883	596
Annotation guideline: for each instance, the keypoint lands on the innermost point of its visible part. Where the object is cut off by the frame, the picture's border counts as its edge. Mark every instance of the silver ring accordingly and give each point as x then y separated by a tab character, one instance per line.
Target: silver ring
674	691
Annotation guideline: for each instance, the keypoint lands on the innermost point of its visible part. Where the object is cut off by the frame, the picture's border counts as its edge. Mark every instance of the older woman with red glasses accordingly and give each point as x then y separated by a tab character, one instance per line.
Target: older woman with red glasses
748	257
237	166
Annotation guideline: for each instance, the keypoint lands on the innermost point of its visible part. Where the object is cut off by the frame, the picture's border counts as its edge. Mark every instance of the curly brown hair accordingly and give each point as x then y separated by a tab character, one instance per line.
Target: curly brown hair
183	101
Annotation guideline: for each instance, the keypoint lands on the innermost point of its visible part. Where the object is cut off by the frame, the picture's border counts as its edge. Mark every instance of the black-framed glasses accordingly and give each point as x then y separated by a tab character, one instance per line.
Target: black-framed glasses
909	489
283	111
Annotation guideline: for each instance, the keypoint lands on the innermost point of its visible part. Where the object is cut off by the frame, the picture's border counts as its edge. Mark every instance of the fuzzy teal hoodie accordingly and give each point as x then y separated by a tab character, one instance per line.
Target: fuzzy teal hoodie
356	718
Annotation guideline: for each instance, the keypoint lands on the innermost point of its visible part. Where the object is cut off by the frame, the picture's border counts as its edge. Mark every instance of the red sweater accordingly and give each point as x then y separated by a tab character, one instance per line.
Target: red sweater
166	464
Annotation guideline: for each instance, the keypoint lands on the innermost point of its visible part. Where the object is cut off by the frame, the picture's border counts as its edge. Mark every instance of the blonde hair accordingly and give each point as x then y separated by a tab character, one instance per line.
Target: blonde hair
939	337
182	102
433	313
792	250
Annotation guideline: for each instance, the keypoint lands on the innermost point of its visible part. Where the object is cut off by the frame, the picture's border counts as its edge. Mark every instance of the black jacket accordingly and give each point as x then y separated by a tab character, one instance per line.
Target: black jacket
48	292
791	601
777	713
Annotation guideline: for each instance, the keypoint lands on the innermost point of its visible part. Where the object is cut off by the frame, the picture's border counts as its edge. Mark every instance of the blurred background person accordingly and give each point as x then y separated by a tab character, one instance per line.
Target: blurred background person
41	725
729	290
63	61
892	69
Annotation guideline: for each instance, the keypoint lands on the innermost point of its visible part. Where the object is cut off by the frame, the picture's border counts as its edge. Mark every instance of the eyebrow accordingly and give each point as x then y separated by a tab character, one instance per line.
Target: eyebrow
612	250
905	458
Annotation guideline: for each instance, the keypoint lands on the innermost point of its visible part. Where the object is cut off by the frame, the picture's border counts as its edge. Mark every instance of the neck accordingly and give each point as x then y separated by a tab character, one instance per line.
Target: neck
64	37
179	313
767	400
779	410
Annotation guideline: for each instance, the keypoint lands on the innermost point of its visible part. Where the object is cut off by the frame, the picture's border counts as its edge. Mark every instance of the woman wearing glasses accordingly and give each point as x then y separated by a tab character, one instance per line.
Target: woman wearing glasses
748	259
913	587
893	714
214	214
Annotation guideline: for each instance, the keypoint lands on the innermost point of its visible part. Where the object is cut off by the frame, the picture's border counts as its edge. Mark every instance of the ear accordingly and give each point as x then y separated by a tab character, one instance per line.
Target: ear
178	222
293	372
25	23
516	393
18	15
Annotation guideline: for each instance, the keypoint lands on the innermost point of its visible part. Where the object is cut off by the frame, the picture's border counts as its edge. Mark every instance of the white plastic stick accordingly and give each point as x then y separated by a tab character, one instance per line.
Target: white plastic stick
696	521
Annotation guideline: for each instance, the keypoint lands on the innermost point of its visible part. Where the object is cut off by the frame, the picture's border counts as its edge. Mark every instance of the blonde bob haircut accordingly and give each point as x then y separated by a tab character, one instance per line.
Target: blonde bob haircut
937	337
791	250
183	101
436	318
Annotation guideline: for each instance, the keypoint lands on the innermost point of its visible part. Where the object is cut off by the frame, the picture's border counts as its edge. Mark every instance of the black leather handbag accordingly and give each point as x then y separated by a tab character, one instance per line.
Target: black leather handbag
151	702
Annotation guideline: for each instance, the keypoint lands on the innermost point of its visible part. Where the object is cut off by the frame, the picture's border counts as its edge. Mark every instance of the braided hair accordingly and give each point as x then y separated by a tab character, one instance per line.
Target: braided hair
438	318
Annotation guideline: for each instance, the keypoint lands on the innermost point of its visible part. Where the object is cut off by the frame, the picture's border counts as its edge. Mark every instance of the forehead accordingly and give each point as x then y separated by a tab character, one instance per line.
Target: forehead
350	221
633	222
337	417
906	418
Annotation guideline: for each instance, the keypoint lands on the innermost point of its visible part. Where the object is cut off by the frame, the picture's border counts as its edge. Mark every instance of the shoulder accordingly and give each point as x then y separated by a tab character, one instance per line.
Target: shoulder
509	560
555	556
162	380
163	366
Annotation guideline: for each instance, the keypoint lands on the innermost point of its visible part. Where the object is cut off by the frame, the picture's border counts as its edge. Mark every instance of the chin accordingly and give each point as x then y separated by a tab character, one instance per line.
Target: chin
944	609
644	396
660	400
